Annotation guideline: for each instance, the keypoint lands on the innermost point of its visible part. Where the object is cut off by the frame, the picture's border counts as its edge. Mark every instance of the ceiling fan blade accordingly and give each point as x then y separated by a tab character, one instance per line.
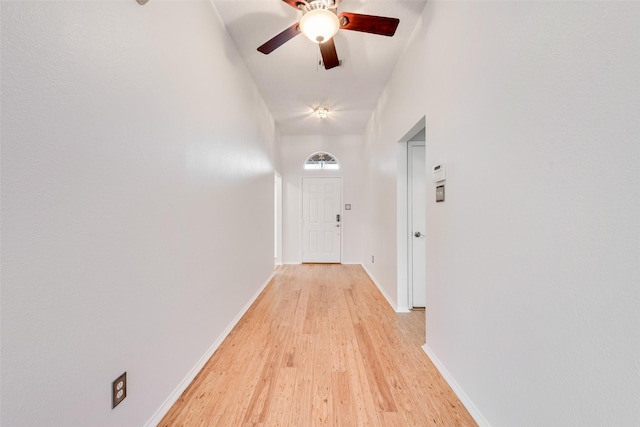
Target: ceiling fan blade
293	3
329	54
381	25
280	39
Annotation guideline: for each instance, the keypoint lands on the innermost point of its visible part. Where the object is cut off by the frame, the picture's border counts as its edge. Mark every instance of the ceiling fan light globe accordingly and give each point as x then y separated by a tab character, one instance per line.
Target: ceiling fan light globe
319	25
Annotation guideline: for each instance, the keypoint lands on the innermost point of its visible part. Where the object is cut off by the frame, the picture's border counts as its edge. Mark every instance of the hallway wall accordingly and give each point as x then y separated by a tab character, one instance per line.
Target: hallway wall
135	153
348	150
533	260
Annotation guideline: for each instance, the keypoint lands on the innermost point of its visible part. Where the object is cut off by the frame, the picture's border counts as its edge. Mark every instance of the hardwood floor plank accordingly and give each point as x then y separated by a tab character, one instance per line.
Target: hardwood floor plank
278	413
377	382
321	399
343	414
301	408
266	387
320	347
366	413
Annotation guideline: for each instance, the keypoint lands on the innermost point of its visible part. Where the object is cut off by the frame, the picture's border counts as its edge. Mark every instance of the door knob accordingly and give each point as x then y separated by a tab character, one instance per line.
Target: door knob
417	234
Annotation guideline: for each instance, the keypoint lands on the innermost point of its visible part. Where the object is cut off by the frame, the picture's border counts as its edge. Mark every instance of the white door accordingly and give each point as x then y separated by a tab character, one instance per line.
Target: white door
321	201
417	219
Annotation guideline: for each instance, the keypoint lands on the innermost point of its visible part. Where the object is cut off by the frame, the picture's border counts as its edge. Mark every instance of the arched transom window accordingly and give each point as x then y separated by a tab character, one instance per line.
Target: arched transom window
321	160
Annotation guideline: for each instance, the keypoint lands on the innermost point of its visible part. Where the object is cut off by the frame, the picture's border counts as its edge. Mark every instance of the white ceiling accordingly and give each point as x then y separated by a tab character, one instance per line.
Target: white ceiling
291	80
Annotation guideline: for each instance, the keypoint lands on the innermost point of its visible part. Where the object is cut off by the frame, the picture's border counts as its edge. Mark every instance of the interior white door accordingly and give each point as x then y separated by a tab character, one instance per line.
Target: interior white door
417	224
321	221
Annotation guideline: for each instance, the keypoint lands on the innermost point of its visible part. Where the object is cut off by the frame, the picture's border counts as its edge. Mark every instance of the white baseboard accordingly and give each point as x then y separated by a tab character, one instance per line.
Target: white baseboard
466	401
391	302
175	395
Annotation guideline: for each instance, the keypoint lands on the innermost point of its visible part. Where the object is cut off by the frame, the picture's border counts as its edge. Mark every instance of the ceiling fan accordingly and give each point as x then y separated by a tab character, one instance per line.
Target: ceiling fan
320	22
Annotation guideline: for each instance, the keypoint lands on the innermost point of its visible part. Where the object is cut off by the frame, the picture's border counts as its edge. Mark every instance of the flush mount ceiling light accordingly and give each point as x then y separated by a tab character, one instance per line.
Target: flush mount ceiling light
319	23
321	112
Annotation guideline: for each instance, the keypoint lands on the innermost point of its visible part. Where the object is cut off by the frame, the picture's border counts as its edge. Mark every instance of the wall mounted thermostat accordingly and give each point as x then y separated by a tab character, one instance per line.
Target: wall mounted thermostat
347	207
439	173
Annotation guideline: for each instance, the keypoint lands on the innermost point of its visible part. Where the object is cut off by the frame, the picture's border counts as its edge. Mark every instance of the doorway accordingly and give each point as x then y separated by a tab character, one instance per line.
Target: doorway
411	261
321	220
277	219
416	209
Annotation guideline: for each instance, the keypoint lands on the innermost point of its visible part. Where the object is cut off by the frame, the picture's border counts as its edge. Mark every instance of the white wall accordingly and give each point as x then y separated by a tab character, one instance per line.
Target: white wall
135	151
533	260
348	150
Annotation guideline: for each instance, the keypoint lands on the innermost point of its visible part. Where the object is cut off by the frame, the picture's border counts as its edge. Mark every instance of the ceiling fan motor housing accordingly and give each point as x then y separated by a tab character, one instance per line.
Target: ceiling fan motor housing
307	6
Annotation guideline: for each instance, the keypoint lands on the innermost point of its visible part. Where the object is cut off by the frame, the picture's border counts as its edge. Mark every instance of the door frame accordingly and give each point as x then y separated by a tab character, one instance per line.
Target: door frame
301	218
403	304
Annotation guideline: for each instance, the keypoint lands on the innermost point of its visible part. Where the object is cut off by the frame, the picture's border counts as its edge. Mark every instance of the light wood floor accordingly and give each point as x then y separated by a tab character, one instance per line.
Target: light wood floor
321	347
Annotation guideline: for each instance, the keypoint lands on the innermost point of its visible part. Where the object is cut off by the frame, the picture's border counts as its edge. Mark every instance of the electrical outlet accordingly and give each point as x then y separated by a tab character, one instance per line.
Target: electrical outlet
119	389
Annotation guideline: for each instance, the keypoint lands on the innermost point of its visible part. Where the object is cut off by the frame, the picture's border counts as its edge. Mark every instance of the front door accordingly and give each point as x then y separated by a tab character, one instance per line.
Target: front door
321	222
